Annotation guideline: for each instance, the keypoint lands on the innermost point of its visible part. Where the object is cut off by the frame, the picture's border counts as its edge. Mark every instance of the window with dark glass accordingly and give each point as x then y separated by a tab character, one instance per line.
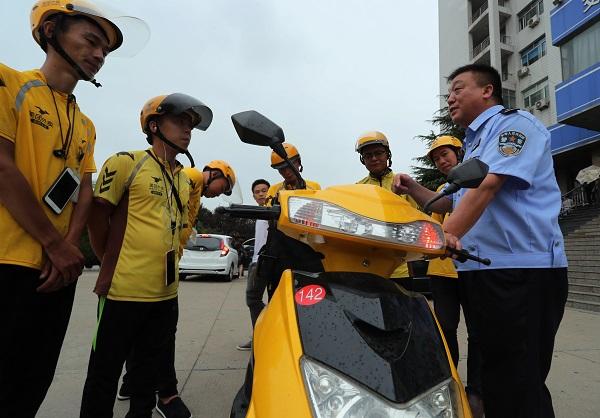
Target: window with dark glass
533	52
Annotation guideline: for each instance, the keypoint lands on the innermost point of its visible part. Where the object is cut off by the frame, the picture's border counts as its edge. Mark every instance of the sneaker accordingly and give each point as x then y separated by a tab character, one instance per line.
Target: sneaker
123	393
174	409
245	347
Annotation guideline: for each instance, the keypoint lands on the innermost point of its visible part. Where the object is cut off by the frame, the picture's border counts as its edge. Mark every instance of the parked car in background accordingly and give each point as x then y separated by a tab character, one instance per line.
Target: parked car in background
249	247
209	254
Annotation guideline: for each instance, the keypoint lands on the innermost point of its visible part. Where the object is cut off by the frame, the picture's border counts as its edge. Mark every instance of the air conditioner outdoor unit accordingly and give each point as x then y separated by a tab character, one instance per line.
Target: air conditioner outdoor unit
533	21
556	2
522	72
542	104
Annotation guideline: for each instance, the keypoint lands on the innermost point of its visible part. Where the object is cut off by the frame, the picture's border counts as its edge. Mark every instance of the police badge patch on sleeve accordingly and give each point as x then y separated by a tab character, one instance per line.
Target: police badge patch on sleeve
510	143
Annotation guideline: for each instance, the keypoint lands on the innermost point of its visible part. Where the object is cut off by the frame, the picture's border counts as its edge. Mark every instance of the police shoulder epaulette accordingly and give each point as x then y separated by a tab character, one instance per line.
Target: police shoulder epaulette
508	111
130	155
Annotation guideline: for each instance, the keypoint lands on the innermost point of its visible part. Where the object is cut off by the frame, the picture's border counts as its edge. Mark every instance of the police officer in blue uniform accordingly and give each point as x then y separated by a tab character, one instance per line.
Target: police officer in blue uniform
511	218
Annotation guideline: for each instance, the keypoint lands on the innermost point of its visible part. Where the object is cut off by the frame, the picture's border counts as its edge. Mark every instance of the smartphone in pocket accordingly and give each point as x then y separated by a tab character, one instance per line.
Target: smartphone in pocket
62	190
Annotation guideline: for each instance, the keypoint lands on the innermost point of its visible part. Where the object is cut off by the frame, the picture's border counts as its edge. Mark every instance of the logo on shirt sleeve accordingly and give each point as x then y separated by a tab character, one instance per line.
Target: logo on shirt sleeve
107	179
510	143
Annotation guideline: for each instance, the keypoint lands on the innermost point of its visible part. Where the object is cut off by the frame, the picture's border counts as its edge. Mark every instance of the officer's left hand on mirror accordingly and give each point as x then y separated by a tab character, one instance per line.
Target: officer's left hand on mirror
452	241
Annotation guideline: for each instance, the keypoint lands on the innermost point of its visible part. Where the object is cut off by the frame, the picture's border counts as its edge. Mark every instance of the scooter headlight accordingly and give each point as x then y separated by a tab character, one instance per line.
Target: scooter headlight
334	396
327	216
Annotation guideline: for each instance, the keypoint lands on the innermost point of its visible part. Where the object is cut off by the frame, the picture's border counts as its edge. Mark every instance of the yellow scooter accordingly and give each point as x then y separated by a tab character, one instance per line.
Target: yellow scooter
337	339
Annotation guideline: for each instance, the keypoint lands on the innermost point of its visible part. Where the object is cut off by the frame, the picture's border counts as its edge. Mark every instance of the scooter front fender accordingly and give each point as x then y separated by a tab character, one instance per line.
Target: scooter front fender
281	388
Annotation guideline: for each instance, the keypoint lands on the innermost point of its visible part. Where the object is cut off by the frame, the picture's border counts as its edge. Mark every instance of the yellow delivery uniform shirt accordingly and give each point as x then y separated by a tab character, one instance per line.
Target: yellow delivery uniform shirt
31	117
147	223
196	186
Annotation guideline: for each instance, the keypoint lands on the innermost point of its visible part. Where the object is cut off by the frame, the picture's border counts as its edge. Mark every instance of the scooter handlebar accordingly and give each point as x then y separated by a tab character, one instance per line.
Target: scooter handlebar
463	255
250	212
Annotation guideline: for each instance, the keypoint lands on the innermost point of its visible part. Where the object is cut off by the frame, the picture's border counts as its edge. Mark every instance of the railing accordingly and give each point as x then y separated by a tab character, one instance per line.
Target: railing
584	195
479	12
480	47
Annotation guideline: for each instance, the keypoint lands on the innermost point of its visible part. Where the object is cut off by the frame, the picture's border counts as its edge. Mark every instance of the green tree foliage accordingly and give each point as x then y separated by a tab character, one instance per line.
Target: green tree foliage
212	223
425	172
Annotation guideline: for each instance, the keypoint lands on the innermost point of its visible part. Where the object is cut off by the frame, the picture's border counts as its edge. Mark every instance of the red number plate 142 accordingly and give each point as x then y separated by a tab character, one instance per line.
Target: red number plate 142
310	295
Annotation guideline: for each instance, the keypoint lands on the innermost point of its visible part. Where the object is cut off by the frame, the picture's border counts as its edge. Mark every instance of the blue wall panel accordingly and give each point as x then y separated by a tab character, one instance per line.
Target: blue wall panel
567	137
579	93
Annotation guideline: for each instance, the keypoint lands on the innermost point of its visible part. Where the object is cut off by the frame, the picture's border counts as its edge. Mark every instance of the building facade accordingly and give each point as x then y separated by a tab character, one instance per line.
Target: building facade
538	48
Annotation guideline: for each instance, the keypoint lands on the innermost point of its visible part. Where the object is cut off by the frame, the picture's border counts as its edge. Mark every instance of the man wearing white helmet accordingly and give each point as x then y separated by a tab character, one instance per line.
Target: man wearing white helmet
46	163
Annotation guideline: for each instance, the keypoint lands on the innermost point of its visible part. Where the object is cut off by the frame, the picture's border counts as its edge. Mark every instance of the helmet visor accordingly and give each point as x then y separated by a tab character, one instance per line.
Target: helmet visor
135	32
178	103
232	196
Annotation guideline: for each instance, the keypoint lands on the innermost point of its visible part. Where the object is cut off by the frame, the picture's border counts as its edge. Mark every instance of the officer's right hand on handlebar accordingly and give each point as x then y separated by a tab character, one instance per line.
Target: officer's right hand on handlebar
454	249
452	241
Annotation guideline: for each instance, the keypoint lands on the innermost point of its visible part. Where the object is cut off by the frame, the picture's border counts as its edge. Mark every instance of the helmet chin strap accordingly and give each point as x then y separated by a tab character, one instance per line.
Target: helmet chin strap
175	147
52	41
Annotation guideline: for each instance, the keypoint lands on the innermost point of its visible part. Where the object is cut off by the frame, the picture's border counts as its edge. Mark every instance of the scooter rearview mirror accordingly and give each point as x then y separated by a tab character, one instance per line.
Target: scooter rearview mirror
256	129
468	174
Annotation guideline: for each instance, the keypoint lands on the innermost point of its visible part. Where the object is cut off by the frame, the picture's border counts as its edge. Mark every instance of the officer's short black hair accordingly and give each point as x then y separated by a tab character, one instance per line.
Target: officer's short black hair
259	181
484	74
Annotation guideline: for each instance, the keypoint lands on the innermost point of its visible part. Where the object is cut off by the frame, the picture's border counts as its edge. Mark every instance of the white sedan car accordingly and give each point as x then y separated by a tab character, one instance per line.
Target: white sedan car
209	254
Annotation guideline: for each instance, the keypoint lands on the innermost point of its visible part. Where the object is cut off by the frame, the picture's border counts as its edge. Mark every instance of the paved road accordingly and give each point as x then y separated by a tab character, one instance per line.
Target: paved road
214	319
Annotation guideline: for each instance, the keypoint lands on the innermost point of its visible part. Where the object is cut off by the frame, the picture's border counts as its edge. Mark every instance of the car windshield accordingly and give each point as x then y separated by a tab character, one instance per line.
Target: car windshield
203	244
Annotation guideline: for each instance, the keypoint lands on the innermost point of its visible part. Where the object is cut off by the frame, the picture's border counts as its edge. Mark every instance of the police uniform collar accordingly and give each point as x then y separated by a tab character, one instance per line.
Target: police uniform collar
484	116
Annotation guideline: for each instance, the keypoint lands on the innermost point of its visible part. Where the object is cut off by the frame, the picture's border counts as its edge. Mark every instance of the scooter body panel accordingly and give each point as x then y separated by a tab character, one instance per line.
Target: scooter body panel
373	331
366	327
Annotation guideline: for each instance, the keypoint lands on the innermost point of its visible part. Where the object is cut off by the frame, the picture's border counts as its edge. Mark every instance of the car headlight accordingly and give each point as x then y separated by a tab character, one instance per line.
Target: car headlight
334	396
327	216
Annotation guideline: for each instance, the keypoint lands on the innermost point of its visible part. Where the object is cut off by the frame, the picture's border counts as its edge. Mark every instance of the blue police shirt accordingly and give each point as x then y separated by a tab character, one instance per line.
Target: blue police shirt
519	228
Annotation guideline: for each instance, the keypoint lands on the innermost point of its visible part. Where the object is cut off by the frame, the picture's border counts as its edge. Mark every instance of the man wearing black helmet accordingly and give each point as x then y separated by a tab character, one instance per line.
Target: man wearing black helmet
140	210
46	163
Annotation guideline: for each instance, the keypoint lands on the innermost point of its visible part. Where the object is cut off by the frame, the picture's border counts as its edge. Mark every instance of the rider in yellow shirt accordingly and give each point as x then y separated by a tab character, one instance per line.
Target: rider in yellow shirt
376	156
140	209
201	183
44	137
290	181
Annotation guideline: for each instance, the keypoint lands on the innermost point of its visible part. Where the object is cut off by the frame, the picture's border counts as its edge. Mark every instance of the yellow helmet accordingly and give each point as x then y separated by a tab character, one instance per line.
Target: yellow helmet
371	138
444	141
292	153
226	171
43	9
176	103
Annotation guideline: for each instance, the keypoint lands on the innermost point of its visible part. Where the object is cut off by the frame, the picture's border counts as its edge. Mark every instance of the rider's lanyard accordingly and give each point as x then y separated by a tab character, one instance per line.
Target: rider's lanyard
174	193
68	138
